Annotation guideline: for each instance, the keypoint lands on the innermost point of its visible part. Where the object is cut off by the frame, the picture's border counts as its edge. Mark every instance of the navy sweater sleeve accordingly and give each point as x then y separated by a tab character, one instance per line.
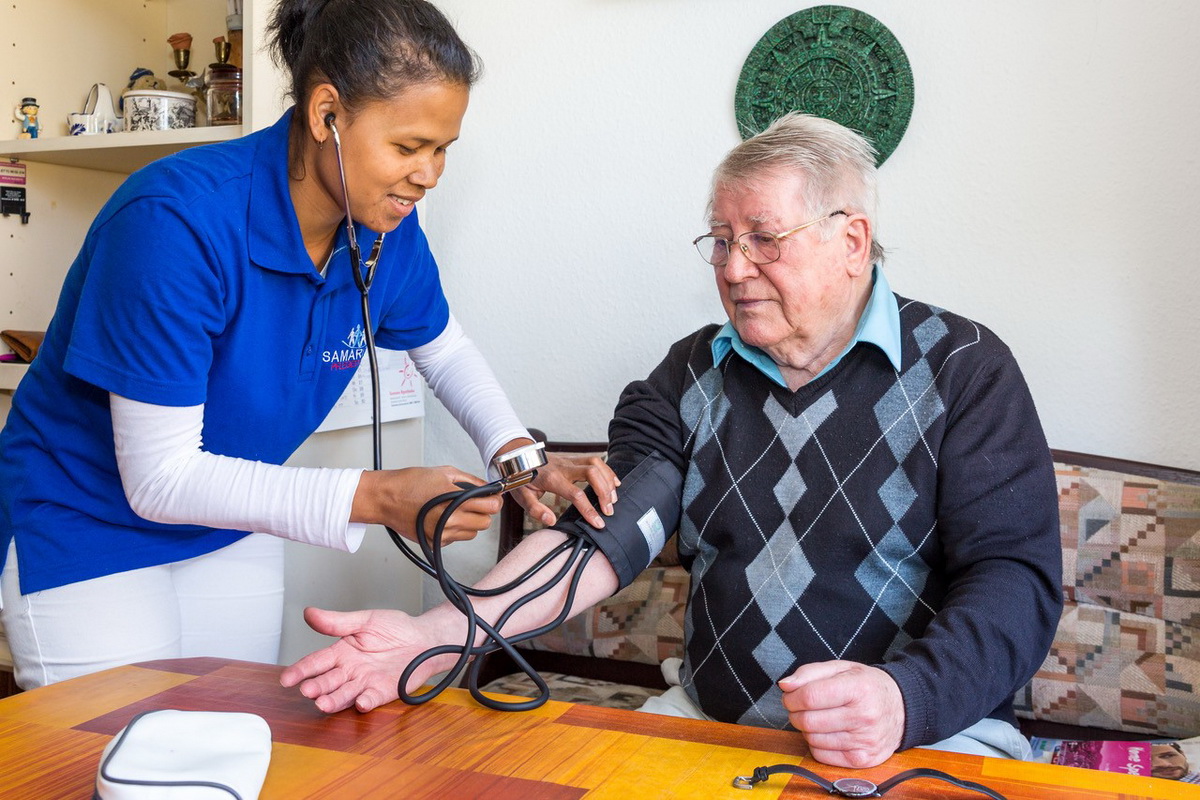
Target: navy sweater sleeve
647	420
998	525
645	423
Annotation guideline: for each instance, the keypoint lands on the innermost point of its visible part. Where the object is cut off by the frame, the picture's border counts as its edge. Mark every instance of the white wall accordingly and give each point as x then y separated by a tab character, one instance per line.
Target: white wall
1046	187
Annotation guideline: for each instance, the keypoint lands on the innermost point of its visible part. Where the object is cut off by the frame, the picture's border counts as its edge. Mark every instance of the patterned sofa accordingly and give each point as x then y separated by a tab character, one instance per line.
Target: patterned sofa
1125	662
1126	657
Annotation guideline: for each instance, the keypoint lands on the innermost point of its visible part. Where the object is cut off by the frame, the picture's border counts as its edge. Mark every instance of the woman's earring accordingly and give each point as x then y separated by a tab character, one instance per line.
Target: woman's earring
320	144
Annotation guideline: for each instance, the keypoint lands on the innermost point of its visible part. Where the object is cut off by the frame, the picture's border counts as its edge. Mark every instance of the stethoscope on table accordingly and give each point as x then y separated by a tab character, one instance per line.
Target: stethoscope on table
516	468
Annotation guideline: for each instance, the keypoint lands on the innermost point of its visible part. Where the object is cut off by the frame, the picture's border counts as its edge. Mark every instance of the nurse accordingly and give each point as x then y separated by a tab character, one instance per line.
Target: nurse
207	327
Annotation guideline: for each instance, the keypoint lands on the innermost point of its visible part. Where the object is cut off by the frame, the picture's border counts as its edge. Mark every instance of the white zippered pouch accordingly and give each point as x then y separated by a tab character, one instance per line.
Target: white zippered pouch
186	755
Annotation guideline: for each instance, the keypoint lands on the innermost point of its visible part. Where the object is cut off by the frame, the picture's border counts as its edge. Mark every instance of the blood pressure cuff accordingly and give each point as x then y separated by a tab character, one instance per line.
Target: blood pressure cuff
646	513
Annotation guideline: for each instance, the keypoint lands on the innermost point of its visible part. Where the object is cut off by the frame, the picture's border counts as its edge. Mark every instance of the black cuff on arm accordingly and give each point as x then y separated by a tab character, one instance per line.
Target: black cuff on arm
645	515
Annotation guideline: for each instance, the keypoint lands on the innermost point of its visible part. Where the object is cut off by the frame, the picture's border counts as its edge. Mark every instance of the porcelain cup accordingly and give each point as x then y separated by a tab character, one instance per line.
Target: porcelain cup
84	124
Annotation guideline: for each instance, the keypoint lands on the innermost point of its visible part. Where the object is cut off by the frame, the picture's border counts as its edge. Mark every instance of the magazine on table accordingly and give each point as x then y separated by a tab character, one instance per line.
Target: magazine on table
1173	759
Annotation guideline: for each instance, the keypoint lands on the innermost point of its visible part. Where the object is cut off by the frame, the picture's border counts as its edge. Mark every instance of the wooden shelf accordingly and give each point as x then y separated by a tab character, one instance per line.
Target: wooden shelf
124	152
10	376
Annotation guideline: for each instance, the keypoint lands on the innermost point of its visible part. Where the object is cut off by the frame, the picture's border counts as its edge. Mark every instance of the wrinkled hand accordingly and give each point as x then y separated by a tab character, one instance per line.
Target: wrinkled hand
560	476
393	498
851	715
362	668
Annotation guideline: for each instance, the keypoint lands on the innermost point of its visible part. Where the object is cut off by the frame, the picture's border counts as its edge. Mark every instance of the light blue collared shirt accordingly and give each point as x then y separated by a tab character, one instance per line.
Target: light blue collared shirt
879	325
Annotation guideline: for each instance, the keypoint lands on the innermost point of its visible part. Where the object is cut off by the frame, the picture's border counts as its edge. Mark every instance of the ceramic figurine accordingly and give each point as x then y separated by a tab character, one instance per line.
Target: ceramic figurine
28	115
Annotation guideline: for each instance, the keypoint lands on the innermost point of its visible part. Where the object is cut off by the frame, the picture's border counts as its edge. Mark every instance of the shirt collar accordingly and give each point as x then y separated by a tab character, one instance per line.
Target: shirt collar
274	236
879	325
275	240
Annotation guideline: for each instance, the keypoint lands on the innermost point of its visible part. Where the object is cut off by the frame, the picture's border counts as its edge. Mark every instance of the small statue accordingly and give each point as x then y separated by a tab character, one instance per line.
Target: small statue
28	115
181	50
139	80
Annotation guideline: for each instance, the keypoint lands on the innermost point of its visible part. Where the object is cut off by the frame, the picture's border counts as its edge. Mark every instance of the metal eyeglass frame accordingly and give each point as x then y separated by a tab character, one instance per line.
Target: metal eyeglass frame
746	249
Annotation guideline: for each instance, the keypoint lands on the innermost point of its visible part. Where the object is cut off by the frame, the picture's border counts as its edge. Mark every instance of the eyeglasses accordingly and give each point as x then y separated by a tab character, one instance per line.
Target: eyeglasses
759	247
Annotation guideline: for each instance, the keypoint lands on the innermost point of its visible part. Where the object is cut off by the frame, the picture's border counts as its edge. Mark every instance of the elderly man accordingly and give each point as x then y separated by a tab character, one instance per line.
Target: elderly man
864	495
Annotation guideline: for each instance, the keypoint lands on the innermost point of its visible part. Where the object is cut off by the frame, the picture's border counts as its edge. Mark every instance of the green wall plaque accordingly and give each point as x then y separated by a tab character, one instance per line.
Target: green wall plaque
833	62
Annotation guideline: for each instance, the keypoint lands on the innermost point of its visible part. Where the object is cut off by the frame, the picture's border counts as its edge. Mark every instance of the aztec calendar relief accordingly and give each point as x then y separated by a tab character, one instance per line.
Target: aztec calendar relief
833	62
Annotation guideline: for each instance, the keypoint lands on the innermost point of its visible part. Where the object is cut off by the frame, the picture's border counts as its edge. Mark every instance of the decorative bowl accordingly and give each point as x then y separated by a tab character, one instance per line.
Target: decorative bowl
154	110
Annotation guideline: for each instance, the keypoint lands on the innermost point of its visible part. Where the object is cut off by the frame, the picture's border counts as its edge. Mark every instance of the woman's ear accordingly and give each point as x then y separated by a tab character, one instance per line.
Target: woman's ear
323	105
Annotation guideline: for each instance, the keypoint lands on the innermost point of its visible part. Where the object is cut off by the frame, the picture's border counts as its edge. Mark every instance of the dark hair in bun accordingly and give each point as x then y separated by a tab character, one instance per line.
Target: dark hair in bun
368	49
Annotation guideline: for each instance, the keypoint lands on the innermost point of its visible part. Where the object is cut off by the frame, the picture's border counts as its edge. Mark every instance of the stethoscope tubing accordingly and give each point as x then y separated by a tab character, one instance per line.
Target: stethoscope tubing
579	550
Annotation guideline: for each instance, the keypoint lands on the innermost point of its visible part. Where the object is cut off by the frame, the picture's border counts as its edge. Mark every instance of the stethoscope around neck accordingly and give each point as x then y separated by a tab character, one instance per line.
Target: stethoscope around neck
364	276
364	271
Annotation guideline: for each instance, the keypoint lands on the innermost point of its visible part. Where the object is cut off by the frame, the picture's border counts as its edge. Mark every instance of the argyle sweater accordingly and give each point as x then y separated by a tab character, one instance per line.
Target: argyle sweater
905	520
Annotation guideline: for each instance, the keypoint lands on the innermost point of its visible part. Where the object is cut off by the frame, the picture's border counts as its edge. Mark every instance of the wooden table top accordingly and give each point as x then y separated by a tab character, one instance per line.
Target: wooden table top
51	739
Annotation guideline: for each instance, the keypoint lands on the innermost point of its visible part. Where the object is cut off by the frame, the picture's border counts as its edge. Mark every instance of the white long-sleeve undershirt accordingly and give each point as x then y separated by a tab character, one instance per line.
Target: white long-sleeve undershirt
461	379
168	477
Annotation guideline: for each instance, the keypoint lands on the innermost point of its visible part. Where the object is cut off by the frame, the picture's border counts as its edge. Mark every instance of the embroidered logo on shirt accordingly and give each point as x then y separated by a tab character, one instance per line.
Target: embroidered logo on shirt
354	347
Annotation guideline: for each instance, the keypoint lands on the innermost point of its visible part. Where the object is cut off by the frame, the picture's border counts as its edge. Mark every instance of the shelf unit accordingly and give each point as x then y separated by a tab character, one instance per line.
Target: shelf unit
124	152
10	375
70	177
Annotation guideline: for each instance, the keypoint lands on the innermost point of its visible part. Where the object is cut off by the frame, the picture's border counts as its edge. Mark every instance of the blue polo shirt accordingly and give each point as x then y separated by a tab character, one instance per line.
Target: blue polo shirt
879	325
192	286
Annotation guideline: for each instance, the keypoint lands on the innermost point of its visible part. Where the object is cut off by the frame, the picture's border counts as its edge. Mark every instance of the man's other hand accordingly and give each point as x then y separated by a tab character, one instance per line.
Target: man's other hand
851	715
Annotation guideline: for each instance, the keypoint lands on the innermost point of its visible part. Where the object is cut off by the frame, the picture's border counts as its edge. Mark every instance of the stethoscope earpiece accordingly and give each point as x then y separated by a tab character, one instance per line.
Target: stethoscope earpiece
364	272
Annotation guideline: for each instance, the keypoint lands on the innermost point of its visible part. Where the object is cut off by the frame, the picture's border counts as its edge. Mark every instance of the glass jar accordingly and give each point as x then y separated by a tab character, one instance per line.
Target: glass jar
224	95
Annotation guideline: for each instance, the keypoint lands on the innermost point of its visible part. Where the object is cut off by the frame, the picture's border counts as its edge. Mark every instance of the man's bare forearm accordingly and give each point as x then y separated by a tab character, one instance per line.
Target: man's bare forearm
597	582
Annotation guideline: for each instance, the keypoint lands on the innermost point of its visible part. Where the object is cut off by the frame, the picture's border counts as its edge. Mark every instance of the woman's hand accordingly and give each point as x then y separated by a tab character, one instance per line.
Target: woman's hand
560	476
393	498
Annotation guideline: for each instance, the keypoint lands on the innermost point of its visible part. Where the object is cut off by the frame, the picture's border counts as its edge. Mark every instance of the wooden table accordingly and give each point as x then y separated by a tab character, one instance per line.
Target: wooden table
51	738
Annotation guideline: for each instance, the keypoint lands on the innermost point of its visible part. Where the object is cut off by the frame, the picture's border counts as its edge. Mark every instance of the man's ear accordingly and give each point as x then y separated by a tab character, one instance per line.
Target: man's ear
857	241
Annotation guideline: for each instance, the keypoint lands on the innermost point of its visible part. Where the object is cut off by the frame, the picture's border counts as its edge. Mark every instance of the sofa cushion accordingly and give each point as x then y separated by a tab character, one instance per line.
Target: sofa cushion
1130	543
1126	655
642	622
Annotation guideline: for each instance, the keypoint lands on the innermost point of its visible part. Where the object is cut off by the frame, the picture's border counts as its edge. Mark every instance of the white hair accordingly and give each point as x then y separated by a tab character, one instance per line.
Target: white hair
837	164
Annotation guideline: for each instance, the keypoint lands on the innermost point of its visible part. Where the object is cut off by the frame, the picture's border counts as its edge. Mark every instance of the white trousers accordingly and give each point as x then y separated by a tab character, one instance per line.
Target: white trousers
988	737
227	604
